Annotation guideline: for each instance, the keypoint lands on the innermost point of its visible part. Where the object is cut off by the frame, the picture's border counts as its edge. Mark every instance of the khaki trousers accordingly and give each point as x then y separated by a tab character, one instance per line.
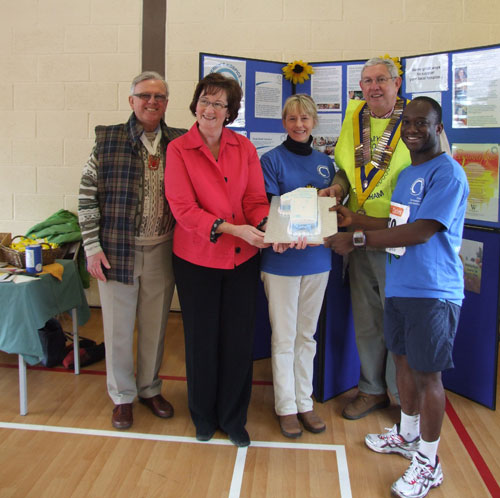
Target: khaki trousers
147	300
367	281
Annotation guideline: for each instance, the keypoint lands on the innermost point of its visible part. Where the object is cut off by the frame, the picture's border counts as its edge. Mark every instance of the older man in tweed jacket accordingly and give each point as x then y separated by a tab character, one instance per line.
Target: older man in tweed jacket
127	230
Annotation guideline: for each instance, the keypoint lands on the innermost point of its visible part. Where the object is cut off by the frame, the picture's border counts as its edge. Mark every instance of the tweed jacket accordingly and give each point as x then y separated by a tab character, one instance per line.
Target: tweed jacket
118	182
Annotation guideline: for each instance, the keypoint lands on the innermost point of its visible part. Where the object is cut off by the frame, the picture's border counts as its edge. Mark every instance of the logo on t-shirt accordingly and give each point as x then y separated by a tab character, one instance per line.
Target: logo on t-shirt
324	171
417	189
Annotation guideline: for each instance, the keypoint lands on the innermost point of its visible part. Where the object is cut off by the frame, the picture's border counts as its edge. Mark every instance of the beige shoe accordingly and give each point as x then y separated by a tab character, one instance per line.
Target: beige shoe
364	404
289	425
312	422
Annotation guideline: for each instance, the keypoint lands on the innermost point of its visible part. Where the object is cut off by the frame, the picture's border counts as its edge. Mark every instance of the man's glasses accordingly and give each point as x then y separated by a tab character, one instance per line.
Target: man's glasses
381	80
218	106
146	97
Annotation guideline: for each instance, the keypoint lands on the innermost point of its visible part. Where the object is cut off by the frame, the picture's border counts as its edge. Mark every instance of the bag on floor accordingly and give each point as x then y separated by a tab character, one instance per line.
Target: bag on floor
53	343
89	352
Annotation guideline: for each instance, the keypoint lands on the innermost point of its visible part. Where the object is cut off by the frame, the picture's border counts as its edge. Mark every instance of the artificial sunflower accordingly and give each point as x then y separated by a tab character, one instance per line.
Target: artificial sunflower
397	62
297	71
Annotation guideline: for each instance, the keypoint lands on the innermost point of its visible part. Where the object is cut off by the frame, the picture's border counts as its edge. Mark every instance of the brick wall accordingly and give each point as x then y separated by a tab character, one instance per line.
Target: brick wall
66	66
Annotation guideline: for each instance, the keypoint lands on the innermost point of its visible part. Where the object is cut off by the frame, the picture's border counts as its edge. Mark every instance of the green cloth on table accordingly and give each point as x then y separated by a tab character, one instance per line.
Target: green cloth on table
60	228
27	306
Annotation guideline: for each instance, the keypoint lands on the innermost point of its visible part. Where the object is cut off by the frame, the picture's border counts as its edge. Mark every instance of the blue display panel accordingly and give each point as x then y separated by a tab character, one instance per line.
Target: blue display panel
476	345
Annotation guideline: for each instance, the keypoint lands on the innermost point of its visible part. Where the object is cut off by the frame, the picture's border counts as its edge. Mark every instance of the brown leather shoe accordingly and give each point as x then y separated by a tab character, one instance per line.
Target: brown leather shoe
289	425
363	404
159	406
122	416
312	422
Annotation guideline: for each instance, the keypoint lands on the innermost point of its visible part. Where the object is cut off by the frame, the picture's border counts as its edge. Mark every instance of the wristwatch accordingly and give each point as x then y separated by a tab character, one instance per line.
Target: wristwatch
358	238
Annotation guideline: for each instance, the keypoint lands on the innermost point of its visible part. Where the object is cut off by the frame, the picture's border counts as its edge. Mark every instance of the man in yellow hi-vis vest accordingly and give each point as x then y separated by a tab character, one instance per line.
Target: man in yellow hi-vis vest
370	156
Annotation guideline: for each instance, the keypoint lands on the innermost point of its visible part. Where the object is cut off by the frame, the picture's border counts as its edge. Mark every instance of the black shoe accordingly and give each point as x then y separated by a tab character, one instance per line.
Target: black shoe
205	436
240	438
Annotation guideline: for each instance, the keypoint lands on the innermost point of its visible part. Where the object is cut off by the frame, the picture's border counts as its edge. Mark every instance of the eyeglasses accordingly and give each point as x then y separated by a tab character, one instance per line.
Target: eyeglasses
146	97
381	80
218	106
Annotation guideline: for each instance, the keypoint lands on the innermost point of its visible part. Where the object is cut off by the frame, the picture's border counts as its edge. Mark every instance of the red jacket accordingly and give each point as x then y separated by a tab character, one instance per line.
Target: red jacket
200	190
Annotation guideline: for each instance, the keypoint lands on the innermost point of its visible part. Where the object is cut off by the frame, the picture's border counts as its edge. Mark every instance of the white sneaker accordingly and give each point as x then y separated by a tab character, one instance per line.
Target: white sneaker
419	478
392	442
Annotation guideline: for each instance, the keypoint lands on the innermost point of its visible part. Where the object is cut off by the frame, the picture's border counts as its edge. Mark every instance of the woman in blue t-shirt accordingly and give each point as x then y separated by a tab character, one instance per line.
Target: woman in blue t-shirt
295	280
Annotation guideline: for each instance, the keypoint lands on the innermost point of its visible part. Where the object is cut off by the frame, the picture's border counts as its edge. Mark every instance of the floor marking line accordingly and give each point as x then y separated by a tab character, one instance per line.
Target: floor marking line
239	466
89	371
476	457
296	446
344	482
161	437
239	469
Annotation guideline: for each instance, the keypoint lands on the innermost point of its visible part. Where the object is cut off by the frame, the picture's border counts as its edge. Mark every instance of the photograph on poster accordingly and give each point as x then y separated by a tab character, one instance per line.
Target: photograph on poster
476	89
353	78
480	162
471	254
460	83
326	134
326	88
231	68
427	74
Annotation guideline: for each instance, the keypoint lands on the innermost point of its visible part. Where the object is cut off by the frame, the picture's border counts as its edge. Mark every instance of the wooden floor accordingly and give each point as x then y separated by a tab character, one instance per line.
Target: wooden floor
65	445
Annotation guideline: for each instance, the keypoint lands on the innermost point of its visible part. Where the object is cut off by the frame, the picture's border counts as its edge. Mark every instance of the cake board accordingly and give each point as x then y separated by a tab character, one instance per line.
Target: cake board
277	224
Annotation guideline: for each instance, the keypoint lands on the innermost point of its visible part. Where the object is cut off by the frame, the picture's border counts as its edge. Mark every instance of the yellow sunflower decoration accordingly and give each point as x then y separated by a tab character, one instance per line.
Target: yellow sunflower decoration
397	62
297	71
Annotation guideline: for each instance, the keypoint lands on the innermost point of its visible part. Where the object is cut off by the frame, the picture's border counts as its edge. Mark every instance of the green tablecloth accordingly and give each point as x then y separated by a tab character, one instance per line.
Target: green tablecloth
25	307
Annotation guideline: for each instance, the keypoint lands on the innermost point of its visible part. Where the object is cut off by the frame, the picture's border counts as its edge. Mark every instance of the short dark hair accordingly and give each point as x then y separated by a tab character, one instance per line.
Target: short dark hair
435	106
213	83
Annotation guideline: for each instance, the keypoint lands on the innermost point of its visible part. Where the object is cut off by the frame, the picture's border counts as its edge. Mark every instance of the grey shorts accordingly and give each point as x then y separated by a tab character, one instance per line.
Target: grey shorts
423	330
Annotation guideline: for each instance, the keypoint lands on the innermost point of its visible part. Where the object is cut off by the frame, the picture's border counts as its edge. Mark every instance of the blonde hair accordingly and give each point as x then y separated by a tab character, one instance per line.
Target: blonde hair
303	103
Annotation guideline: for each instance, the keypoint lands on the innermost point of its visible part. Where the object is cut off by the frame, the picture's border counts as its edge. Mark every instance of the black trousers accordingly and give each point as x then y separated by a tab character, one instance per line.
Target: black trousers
218	311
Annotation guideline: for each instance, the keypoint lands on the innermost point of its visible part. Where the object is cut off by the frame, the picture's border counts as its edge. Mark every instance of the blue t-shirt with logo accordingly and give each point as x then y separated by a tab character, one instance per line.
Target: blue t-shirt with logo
285	171
435	190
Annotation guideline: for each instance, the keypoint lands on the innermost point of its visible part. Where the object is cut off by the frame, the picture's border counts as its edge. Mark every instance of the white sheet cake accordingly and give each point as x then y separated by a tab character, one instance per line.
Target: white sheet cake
301	205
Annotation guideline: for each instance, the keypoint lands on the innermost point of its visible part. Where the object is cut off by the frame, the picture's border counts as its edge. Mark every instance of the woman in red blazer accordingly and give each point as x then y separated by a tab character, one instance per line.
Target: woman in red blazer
215	188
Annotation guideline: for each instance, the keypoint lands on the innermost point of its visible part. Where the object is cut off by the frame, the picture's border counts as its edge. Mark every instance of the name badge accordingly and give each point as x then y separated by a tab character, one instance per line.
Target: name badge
399	215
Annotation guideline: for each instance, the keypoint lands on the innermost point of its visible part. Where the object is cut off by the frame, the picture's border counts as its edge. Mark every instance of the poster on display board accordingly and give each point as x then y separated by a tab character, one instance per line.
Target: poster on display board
231	68
427	73
326	88
476	89
264	142
353	88
480	162
268	95
326	133
471	254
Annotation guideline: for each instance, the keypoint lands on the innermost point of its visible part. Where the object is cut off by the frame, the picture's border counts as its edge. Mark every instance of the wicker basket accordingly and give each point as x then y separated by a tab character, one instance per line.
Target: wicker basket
18	259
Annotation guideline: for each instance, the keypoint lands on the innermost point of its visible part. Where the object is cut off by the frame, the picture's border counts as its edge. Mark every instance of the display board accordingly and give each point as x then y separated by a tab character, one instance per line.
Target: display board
475	354
467	85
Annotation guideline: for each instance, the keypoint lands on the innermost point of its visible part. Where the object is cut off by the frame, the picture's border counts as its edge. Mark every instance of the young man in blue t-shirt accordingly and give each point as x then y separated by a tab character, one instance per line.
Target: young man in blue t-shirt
424	289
